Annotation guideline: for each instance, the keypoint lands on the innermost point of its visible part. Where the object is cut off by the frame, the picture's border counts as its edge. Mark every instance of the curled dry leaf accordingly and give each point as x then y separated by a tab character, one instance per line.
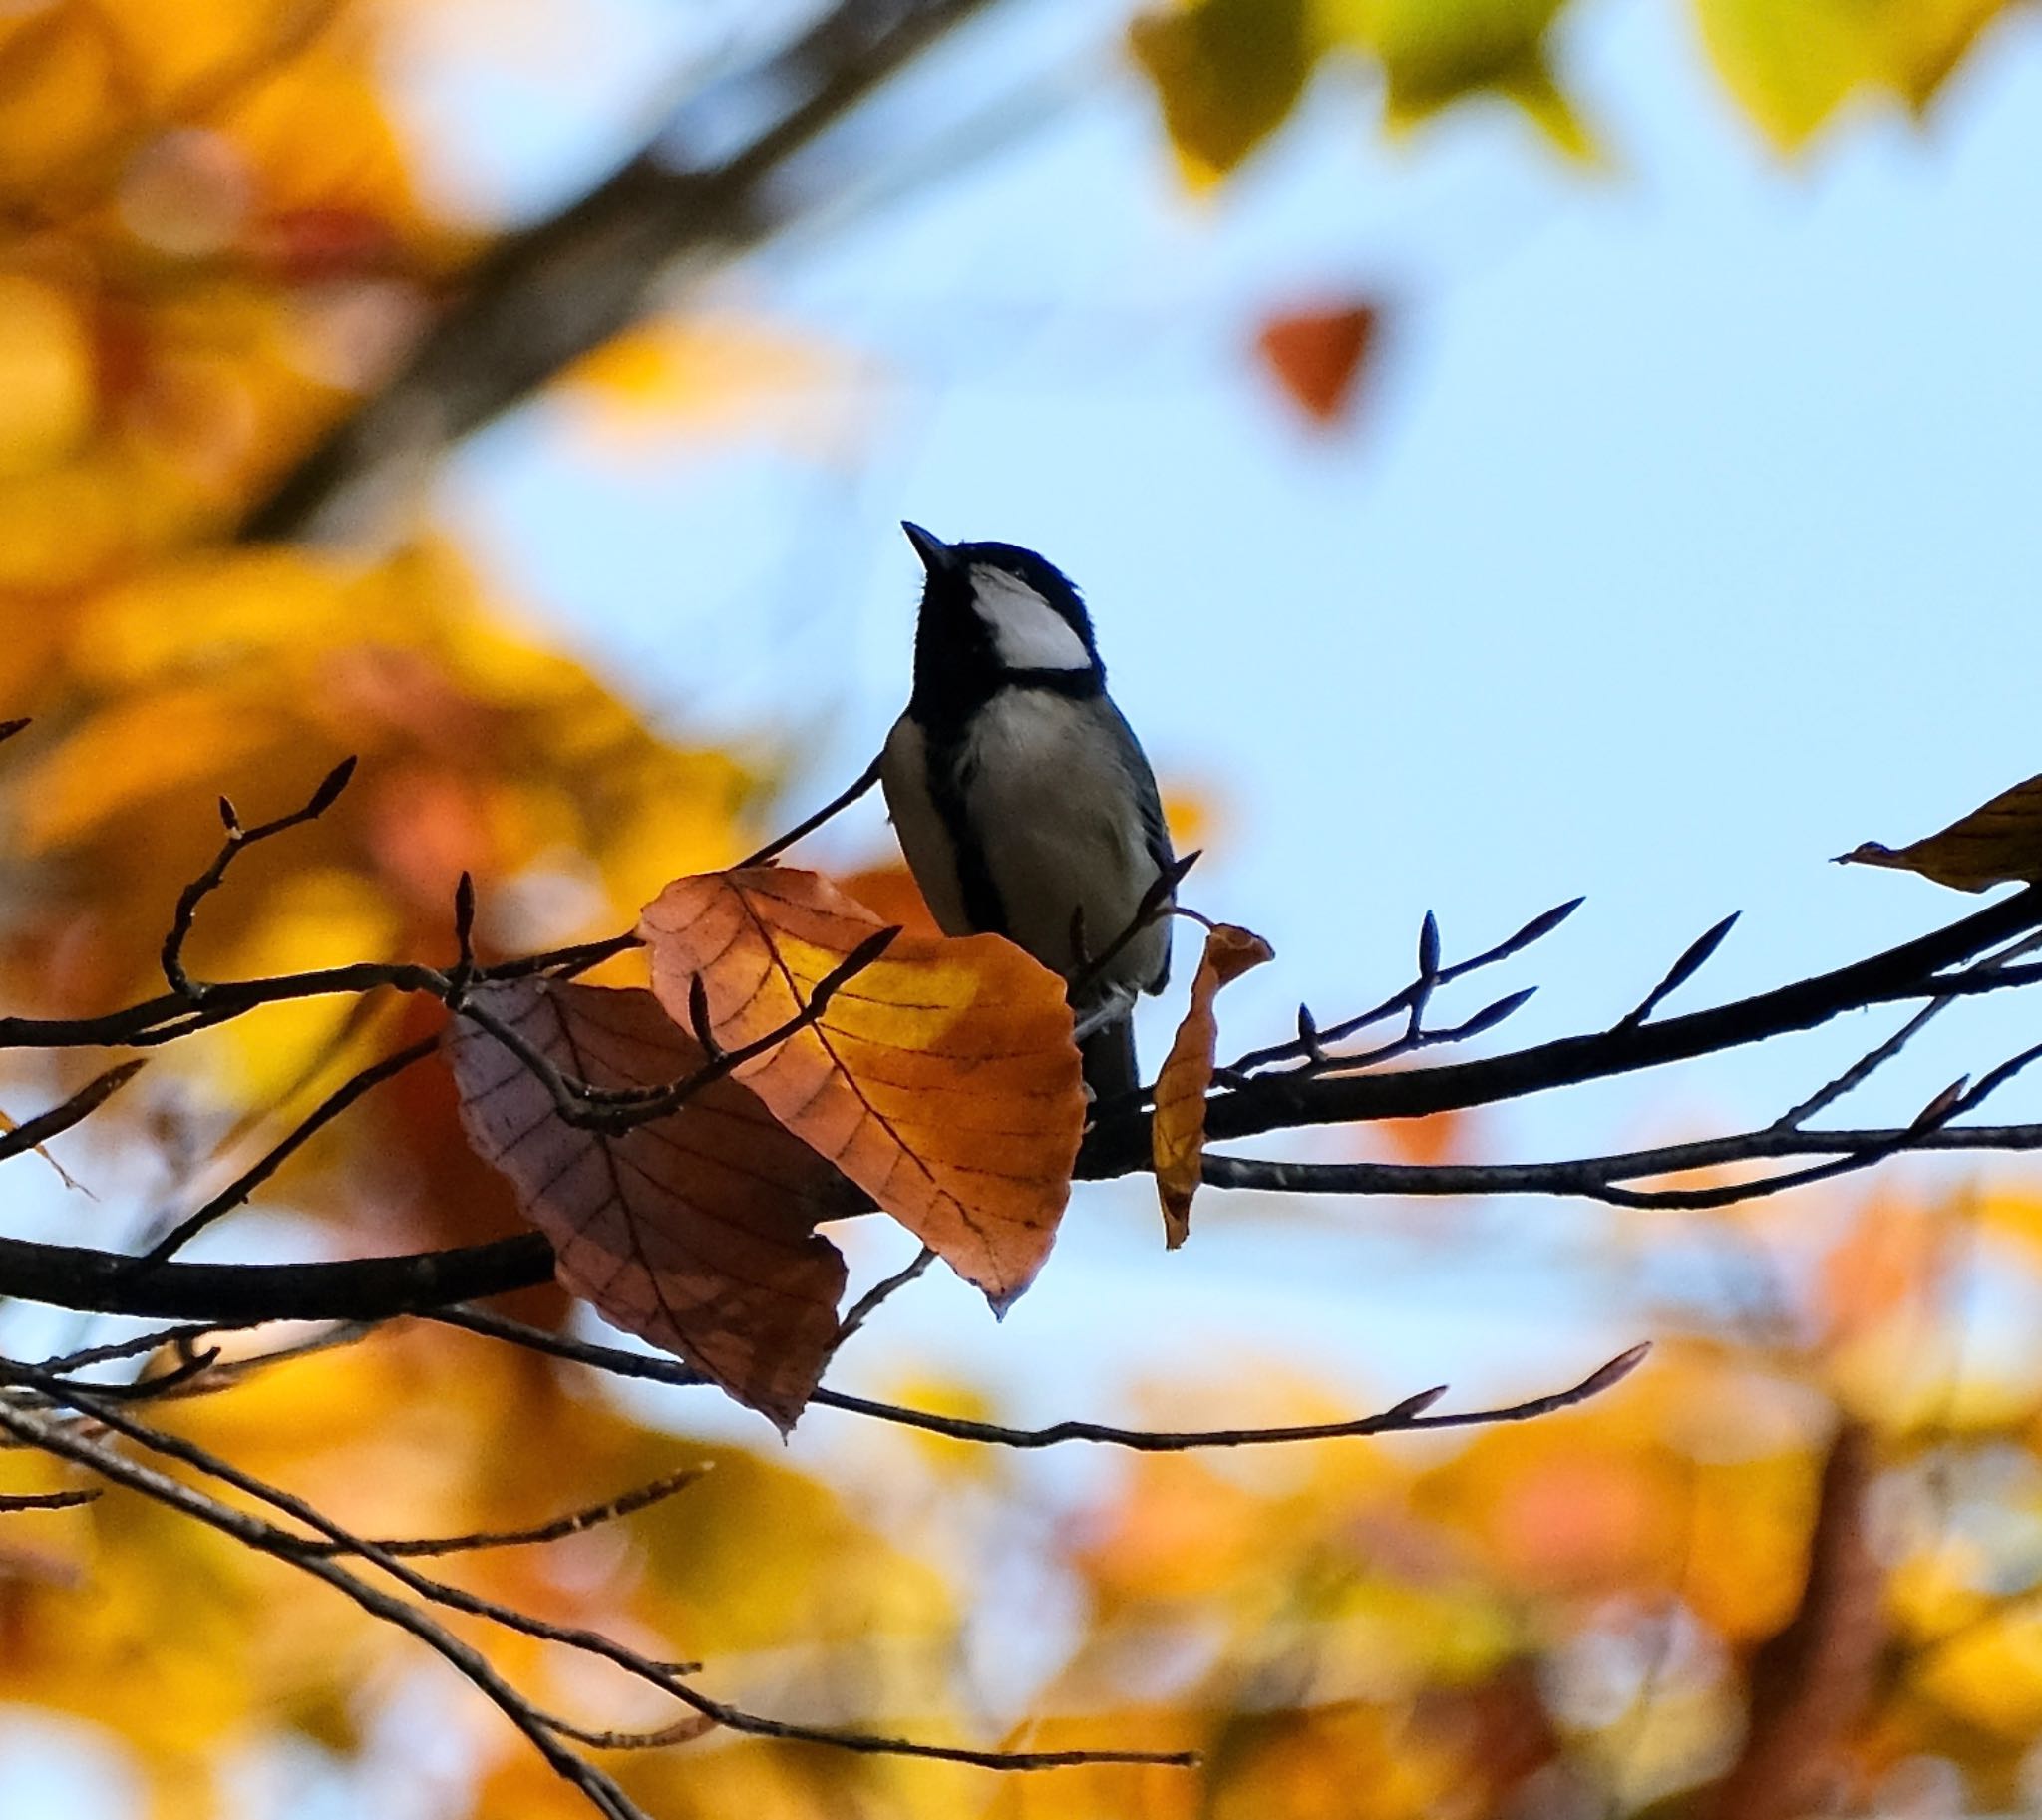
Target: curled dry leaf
1998	843
941	1078
1178	1133
695	1231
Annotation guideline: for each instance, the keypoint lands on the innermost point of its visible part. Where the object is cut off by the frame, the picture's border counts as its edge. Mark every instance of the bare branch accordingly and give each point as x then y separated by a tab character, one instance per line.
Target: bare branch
244	1295
870	1303
590	1517
591	1643
1291	1100
835	806
11	1502
547	295
1311	1040
53	1435
1154	903
1692	959
181	985
252	1178
1401	1418
33	1133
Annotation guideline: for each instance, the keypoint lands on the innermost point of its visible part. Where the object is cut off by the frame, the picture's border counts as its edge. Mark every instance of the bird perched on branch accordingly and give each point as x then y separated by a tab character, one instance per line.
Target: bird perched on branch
1023	800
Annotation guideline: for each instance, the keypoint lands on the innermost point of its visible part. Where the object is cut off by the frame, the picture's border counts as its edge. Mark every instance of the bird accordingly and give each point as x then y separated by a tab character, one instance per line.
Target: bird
1023	801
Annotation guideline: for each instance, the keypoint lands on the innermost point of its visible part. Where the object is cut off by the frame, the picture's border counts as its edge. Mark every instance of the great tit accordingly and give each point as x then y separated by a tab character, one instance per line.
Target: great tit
1023	800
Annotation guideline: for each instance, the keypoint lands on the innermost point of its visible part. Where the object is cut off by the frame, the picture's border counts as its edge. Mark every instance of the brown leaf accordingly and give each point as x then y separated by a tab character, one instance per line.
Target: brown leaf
1996	843
1318	356
1178	1132
941	1079
695	1232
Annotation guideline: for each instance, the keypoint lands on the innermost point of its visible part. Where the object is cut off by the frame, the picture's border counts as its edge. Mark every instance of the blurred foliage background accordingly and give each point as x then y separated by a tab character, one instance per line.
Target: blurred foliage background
1791	1567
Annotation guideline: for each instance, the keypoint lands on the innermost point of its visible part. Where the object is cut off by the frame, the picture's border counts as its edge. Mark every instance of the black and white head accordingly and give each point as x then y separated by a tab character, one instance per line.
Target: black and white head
993	616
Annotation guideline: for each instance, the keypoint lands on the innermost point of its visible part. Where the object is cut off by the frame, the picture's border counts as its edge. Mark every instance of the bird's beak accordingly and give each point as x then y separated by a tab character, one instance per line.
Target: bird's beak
936	555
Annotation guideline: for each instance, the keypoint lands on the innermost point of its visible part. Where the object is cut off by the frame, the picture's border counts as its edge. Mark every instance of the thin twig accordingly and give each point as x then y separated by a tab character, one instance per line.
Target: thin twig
1155	903
1412	1413
1876	1057
590	1517
1311	1044
591	1643
32	1134
835	807
609	1109
252	1178
869	1303
1691	962
13	1501
238	840
52	1435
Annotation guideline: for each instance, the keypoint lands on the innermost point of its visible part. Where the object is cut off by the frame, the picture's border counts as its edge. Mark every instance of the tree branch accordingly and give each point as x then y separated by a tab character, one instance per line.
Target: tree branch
545	296
1286	1102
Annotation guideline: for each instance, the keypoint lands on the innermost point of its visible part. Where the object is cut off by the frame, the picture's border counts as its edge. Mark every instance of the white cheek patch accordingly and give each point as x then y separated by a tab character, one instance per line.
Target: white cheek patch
1028	632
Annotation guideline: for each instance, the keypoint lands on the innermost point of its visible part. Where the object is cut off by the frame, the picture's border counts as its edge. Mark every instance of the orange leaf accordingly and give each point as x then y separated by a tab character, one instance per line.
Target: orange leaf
1178	1133
1318	355
1997	842
892	894
696	1230
941	1079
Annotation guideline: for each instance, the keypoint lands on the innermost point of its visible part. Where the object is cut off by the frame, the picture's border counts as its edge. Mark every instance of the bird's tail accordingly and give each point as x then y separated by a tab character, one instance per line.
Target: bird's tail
1109	1069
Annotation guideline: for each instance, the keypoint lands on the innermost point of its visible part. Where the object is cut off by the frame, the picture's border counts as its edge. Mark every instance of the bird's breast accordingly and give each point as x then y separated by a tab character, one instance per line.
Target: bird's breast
1047	789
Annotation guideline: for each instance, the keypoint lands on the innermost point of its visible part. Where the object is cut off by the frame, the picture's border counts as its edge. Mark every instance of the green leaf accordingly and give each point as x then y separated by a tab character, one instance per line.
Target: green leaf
1228	73
1436	51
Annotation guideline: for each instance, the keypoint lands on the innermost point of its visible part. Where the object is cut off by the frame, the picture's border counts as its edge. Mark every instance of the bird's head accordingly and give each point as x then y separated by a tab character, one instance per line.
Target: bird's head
993	611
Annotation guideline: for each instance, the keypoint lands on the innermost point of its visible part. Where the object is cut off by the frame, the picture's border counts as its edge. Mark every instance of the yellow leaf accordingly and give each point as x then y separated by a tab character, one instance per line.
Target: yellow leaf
718	376
1791	63
1435	52
1992	1674
62	75
1179	1131
143	749
1998	843
941	1078
1228	73
46	375
319	916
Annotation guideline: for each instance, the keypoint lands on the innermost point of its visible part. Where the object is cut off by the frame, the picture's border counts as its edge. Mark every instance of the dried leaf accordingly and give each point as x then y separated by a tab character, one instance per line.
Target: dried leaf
1318	356
695	1232
1178	1132
1998	841
941	1079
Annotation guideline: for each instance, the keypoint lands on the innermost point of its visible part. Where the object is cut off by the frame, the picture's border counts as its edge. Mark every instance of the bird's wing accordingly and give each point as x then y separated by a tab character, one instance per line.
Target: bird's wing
1155	831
